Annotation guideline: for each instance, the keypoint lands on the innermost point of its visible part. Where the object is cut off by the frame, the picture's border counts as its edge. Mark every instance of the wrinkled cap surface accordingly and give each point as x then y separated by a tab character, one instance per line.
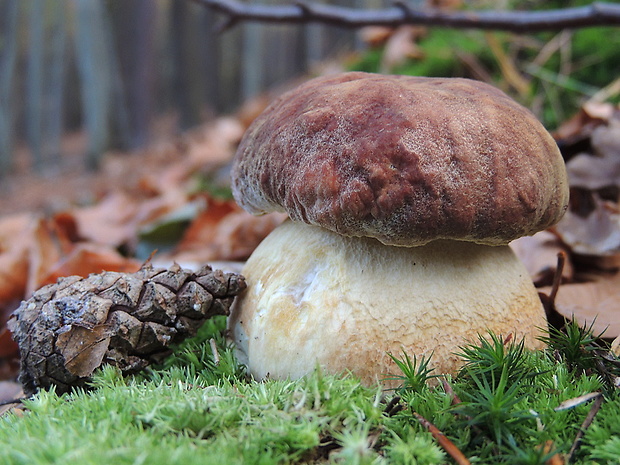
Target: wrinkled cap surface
403	159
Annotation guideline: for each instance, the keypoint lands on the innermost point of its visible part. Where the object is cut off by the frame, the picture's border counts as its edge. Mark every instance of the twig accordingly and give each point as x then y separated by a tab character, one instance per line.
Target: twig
455	400
584	426
595	14
557	277
19	400
443	441
393	407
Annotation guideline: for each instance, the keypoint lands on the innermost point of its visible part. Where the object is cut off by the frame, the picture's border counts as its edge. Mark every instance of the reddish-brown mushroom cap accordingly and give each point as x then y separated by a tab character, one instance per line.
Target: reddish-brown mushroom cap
403	159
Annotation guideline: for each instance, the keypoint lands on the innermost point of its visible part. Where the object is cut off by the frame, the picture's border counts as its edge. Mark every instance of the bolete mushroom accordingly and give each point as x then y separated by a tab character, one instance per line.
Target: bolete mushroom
403	193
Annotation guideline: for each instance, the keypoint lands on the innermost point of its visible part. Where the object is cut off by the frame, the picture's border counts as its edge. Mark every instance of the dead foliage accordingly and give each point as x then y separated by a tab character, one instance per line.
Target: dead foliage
166	200
589	233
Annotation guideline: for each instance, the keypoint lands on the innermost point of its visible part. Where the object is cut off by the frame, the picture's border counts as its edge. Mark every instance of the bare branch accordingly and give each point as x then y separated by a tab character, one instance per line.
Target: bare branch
595	14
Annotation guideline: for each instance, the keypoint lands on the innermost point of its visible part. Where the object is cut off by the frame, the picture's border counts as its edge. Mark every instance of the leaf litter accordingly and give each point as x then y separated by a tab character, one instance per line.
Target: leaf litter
589	233
135	200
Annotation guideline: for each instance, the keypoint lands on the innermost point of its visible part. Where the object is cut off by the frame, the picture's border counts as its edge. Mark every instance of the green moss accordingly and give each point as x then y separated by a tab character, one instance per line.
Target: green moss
194	411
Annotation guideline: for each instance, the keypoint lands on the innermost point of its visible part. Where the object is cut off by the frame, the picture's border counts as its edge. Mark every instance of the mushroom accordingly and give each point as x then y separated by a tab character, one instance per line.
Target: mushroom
403	193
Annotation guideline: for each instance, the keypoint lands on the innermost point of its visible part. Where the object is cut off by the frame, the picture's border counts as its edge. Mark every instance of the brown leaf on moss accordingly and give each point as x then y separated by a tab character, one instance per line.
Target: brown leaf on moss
68	329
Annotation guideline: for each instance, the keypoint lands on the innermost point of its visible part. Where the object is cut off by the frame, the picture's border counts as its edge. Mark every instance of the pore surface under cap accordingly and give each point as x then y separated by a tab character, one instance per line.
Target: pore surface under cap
403	159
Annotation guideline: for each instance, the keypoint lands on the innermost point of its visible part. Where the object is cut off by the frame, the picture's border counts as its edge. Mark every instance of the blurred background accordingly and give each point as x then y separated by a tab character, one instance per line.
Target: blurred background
82	77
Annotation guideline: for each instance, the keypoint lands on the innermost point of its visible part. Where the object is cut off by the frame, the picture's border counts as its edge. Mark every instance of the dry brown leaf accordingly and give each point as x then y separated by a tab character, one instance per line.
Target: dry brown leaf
10	390
152	210
582	124
14	253
111	221
596	237
83	348
589	172
202	230
13	273
251	109
615	346
400	47
87	258
555	459
601	169
8	347
539	254
375	36
595	303
214	144
224	232
115	220
239	233
606	139
44	252
599	110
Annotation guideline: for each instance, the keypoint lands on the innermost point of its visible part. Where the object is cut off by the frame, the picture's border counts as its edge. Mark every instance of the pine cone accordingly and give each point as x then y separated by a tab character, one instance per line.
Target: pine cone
68	329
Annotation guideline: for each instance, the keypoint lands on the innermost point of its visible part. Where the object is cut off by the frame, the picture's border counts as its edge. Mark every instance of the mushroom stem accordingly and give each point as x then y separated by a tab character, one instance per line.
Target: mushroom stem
345	303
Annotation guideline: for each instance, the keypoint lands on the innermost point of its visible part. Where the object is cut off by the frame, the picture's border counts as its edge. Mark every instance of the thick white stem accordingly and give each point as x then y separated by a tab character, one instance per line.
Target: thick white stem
315	297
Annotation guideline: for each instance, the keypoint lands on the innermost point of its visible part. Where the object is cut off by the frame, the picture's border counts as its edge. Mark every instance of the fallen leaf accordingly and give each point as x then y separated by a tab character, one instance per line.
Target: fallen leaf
14	253
595	236
593	173
555	459
400	47
615	346
8	347
10	390
87	258
375	36
581	125
202	231
44	252
215	143
239	233
595	303
252	108
112	221
83	349
603	111
116	220
606	139
224	232
539	254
